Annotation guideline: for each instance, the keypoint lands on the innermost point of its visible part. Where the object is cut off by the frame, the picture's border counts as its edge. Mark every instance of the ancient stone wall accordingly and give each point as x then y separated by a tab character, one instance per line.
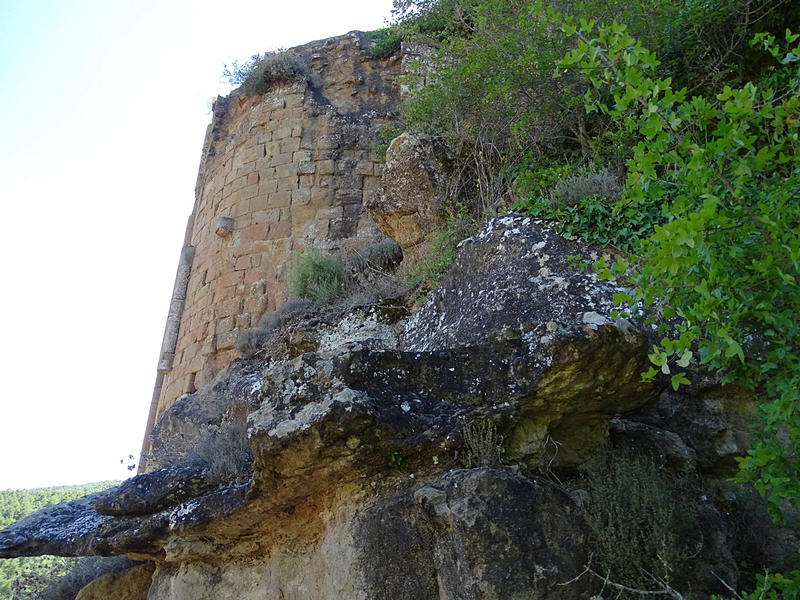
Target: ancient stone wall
280	172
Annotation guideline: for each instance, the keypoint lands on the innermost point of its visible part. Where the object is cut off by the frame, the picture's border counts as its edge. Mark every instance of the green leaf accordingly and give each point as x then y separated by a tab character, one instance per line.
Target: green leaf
679	379
649	374
734	349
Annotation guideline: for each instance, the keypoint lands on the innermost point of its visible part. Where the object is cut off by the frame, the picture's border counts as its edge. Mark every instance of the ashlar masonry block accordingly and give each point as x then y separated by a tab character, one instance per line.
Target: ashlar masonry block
301	197
282	133
279	199
279	230
268	186
267	216
364	167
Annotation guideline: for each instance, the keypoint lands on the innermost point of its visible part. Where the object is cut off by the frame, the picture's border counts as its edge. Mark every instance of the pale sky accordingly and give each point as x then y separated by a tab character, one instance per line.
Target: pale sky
103	109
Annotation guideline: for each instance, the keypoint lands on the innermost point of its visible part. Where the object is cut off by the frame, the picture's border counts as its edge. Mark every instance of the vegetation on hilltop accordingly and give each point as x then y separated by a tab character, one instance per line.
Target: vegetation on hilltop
687	163
24	578
262	71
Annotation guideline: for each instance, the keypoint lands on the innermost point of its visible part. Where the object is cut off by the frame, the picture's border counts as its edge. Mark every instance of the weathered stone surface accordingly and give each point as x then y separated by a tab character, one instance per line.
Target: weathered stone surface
470	534
664	445
712	420
477	534
408	207
514	274
325	425
148	493
301	340
224	227
65	529
567	389
76	529
174	437
131	584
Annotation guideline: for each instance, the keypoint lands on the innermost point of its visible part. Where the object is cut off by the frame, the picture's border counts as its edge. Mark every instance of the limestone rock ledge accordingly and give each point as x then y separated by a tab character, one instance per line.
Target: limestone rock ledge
358	488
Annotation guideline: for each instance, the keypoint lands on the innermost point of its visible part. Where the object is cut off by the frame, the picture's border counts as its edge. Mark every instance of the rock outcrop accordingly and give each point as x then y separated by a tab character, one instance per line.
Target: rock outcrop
408	206
515	275
424	465
131	584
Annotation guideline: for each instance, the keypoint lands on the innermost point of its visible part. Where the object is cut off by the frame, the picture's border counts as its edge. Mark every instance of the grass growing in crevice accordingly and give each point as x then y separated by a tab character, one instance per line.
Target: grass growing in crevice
386	135
224	451
317	276
324	286
424	276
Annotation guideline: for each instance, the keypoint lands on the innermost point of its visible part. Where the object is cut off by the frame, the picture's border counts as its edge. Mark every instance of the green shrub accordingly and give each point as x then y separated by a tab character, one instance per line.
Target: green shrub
317	276
535	178
387	41
726	261
584	202
366	278
492	97
258	74
707	43
771	586
432	21
422	20
642	523
386	135
597	220
427	274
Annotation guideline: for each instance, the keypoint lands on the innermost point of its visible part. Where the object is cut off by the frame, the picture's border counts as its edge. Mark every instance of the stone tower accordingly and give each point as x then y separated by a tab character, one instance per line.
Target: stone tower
279	172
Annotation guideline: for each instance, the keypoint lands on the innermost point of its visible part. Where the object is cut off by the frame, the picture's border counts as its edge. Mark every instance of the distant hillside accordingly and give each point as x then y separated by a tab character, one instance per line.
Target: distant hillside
23	578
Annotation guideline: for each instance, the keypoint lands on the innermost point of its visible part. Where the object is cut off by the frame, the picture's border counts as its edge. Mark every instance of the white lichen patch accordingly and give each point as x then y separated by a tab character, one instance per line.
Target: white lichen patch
346	396
309	371
302	419
357	327
182	511
255	386
593	318
289	389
